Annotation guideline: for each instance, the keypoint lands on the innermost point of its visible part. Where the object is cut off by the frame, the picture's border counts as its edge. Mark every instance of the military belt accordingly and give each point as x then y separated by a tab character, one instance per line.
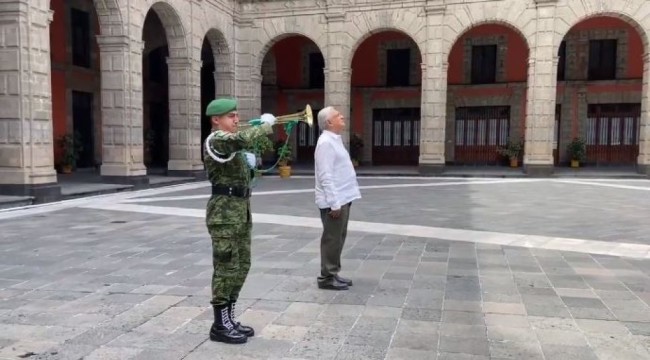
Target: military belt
242	192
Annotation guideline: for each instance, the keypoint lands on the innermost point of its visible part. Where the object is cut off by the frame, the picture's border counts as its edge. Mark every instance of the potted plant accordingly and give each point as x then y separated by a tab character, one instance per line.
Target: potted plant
284	158
260	146
71	145
577	150
356	149
512	151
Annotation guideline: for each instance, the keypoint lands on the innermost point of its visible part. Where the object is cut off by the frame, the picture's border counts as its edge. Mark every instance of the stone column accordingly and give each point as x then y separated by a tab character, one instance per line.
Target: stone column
643	161
337	69
26	140
255	87
541	95
184	117
247	94
433	111
121	71
224	82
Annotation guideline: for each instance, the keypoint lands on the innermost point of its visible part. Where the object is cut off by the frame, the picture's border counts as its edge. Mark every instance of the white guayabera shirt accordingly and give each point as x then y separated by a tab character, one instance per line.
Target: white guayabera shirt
336	180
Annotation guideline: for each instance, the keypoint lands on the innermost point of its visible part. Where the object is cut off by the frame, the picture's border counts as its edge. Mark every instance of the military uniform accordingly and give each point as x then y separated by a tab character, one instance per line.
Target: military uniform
228	219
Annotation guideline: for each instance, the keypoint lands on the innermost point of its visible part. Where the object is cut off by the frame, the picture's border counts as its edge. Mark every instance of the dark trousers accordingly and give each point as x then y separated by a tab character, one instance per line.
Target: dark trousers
332	241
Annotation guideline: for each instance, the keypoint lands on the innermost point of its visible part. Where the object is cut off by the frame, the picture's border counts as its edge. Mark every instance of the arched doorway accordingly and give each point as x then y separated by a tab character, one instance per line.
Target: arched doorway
599	92
155	93
292	77
76	85
486	95
385	100
207	87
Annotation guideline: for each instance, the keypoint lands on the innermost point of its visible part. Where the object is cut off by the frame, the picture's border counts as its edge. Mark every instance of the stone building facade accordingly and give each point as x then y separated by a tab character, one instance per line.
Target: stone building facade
539	73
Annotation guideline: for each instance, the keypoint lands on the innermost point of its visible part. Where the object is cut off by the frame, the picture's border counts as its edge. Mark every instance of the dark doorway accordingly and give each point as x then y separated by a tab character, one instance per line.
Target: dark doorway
159	134
396	136
612	134
83	125
480	131
155	93
207	88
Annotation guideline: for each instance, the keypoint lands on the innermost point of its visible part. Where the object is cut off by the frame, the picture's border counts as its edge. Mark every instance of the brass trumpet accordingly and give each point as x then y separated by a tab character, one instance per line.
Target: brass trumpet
305	116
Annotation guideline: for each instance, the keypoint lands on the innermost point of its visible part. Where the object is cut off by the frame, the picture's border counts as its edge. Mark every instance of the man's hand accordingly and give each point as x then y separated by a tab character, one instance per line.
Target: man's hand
268	118
334	214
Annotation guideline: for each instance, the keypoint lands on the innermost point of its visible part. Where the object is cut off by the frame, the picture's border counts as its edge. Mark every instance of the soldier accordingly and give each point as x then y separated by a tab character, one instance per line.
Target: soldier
228	214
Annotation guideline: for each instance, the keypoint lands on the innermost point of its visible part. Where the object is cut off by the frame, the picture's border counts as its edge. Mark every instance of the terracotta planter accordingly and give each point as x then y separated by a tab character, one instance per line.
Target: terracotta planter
575	163
66	169
514	162
285	171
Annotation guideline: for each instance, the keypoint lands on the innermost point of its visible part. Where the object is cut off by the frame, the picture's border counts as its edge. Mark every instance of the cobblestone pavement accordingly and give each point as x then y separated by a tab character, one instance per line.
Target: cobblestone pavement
442	269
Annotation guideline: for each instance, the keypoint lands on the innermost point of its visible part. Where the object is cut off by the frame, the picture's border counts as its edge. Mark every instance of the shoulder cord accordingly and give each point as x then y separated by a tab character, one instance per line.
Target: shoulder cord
213	153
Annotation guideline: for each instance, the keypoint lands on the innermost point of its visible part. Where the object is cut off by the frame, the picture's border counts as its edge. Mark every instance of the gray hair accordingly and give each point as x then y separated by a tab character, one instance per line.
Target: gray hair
325	114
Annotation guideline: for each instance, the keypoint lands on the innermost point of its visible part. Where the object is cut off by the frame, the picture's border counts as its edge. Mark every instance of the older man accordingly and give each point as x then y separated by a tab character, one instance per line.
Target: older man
336	188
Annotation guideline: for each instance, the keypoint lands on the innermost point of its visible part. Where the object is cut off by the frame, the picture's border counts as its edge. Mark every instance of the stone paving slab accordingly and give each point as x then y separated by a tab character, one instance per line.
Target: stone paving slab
97	284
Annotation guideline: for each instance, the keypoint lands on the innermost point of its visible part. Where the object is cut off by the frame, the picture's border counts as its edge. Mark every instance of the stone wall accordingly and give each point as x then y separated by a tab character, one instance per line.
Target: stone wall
241	32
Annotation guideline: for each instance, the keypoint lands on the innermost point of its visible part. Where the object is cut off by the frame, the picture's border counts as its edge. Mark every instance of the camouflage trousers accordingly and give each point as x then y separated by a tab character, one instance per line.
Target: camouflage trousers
231	260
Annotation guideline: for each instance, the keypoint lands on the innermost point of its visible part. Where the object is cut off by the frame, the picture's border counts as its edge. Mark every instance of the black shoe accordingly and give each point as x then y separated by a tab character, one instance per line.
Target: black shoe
246	330
332	284
223	330
347	282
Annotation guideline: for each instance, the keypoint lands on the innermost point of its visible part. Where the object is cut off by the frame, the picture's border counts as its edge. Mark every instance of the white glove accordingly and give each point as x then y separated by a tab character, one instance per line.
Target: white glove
268	118
250	159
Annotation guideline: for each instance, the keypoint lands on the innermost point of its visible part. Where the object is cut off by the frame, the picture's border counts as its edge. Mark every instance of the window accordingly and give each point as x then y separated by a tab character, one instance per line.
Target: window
80	23
484	64
316	67
602	59
561	61
398	67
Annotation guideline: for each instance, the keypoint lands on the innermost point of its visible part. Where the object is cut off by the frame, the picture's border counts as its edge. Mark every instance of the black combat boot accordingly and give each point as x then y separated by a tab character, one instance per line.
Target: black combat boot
246	330
223	330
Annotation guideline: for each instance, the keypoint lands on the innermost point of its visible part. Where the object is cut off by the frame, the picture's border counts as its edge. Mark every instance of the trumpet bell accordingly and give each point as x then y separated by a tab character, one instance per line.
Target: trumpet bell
305	116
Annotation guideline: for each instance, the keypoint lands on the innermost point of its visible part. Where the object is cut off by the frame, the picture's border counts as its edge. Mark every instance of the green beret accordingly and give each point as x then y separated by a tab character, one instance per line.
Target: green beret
221	106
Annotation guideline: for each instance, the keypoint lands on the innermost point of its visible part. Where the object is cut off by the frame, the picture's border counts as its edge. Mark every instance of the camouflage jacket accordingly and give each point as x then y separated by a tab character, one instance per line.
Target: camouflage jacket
222	209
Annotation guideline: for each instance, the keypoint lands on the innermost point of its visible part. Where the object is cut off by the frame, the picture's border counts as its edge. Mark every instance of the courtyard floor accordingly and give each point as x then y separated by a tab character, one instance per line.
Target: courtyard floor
443	268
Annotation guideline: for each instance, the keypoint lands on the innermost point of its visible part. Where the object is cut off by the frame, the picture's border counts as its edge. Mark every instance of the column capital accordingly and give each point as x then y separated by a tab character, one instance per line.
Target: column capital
344	71
435	9
180	63
243	22
113	42
335	16
544	3
225	74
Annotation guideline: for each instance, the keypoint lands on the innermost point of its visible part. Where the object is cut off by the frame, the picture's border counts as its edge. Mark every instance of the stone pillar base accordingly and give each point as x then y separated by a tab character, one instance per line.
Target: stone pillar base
138	182
643	169
42	193
431	169
539	170
197	174
116	170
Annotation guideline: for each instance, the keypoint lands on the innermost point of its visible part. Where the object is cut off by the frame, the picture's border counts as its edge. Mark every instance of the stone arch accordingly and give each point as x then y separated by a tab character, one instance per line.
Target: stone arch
449	45
631	13
110	17
367	24
275	32
220	49
174	29
568	22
